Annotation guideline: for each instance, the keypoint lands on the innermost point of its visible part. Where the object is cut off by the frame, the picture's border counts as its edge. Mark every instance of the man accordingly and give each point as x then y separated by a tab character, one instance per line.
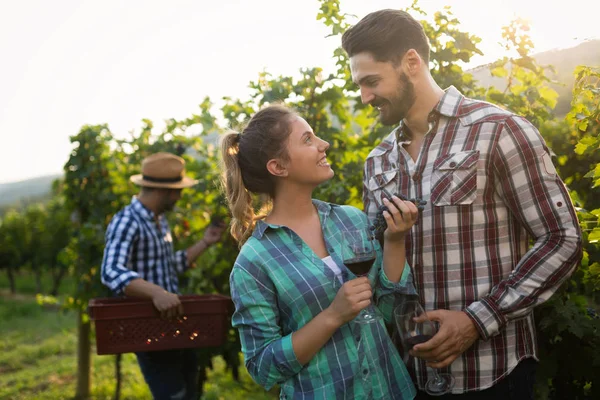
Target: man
490	187
139	261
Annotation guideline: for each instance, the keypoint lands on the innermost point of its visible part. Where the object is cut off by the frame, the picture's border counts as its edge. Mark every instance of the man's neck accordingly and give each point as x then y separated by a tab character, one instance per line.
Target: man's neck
417	118
150	204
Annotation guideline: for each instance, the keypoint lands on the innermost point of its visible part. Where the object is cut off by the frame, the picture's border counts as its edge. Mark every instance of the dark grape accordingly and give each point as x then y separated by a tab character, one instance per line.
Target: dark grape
592	313
379	225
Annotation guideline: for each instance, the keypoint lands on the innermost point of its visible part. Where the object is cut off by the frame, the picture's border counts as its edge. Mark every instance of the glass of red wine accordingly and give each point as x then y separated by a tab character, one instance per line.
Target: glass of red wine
412	333
358	255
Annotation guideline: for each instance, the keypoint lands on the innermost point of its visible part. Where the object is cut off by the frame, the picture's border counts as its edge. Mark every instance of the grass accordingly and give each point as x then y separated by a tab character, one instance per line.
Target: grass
25	283
38	358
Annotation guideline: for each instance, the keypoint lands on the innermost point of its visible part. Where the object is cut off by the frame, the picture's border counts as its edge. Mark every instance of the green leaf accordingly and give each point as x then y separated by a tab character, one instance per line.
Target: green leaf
594	235
499	72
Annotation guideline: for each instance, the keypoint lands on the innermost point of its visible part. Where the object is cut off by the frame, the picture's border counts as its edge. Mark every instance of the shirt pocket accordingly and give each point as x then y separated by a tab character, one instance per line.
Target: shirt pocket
454	179
383	185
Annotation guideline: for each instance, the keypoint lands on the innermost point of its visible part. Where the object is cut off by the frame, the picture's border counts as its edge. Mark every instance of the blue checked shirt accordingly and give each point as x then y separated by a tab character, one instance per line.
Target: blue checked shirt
278	285
136	247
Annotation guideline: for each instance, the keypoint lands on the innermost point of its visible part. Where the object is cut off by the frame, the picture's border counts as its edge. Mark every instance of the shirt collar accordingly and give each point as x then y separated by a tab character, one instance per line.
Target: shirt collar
141	209
323	208
448	106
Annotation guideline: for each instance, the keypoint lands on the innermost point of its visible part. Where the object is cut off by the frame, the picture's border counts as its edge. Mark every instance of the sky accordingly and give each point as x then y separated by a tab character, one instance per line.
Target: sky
67	63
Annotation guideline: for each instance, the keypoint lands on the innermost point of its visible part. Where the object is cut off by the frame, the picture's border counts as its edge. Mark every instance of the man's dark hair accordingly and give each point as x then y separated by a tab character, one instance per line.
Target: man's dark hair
387	35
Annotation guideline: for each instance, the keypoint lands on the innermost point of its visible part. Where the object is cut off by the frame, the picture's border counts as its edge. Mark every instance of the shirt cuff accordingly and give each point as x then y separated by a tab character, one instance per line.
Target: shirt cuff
285	358
405	285
124	280
487	318
181	261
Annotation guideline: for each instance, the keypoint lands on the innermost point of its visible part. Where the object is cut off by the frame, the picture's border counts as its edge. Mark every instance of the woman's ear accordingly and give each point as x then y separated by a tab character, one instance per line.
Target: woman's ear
277	168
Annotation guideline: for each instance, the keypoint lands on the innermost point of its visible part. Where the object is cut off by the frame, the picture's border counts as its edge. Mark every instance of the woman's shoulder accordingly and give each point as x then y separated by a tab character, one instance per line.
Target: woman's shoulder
349	213
251	250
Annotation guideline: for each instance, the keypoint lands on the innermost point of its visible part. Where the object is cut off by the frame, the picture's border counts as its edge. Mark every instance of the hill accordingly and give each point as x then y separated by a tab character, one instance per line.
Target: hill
564	62
26	191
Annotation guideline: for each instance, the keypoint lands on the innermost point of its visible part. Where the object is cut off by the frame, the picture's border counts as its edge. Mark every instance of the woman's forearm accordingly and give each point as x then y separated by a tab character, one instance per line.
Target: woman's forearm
308	340
394	259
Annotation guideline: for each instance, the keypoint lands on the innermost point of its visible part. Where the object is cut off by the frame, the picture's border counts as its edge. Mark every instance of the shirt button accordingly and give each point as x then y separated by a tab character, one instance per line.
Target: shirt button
365	371
357	338
559	204
452	164
416	177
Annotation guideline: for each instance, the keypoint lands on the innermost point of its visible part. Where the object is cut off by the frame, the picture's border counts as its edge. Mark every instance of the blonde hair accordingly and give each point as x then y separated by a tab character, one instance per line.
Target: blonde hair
244	164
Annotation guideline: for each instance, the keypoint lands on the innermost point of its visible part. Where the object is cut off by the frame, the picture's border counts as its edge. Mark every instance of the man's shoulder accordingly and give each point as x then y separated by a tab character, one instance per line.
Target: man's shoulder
385	147
124	218
475	111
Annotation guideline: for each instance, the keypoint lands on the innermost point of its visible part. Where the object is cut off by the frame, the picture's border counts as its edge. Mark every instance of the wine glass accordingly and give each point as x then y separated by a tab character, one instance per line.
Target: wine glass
358	255
412	333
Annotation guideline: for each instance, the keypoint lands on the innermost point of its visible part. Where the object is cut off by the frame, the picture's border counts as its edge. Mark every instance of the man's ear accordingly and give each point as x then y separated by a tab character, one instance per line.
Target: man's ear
277	168
412	62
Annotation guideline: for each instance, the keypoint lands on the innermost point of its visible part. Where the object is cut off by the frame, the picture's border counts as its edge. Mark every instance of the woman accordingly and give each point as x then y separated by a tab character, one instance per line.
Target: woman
294	317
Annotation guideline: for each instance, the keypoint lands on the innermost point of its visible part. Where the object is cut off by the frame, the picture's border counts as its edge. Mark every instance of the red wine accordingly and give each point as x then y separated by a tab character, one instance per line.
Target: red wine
414	340
360	265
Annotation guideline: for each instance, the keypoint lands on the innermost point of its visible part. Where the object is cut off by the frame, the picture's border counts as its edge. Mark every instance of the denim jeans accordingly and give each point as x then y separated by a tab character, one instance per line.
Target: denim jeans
170	374
518	385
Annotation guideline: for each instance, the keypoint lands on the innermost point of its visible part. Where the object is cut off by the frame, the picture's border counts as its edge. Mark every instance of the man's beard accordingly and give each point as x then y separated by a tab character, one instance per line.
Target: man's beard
169	206
397	107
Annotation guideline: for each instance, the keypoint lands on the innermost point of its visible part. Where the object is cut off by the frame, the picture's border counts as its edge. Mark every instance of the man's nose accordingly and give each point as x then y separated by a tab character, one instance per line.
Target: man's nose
366	96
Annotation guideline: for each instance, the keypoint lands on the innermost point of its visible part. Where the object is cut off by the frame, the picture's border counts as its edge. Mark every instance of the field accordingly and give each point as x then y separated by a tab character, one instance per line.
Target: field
38	357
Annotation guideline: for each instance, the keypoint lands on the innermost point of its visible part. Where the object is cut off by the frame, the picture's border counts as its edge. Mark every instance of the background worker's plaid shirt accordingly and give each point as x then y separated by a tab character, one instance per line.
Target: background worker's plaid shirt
136	247
491	187
278	285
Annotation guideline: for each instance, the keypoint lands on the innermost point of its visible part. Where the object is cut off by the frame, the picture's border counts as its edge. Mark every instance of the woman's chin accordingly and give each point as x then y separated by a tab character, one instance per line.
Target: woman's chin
330	174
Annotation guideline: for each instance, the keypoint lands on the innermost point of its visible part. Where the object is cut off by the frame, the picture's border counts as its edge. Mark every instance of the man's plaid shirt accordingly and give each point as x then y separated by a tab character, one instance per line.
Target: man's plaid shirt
491	188
137	247
278	285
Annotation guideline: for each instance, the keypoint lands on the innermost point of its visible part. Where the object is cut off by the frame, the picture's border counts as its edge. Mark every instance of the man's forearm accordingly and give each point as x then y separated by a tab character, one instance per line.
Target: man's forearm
194	251
142	289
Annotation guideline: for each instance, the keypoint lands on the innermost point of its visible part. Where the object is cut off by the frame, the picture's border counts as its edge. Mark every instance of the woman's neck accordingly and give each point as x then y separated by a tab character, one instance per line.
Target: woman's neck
290	206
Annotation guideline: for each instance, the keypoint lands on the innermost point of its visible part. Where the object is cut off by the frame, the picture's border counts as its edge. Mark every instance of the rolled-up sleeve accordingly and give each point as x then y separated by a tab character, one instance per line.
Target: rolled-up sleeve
538	199
119	239
181	263
388	294
269	355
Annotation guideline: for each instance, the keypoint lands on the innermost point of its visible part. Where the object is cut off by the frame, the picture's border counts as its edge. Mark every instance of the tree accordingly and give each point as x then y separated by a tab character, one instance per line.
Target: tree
13	245
569	325
91	200
56	237
35	218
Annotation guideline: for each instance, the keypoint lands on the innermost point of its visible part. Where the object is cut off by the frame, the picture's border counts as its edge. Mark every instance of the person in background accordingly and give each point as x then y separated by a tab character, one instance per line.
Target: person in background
139	261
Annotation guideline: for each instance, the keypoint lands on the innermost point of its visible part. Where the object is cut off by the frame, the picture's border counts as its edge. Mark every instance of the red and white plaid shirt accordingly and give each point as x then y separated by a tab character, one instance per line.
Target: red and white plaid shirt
490	187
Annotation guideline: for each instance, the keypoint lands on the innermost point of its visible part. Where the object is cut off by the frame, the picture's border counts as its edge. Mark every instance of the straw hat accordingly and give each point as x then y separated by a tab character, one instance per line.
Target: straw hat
163	170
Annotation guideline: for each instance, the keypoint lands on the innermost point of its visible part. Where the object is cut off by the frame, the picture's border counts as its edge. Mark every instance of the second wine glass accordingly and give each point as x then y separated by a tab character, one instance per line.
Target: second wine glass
358	255
414	329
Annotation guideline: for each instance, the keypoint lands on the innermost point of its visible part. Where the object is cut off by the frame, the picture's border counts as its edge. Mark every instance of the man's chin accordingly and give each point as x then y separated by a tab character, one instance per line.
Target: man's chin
388	121
169	208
